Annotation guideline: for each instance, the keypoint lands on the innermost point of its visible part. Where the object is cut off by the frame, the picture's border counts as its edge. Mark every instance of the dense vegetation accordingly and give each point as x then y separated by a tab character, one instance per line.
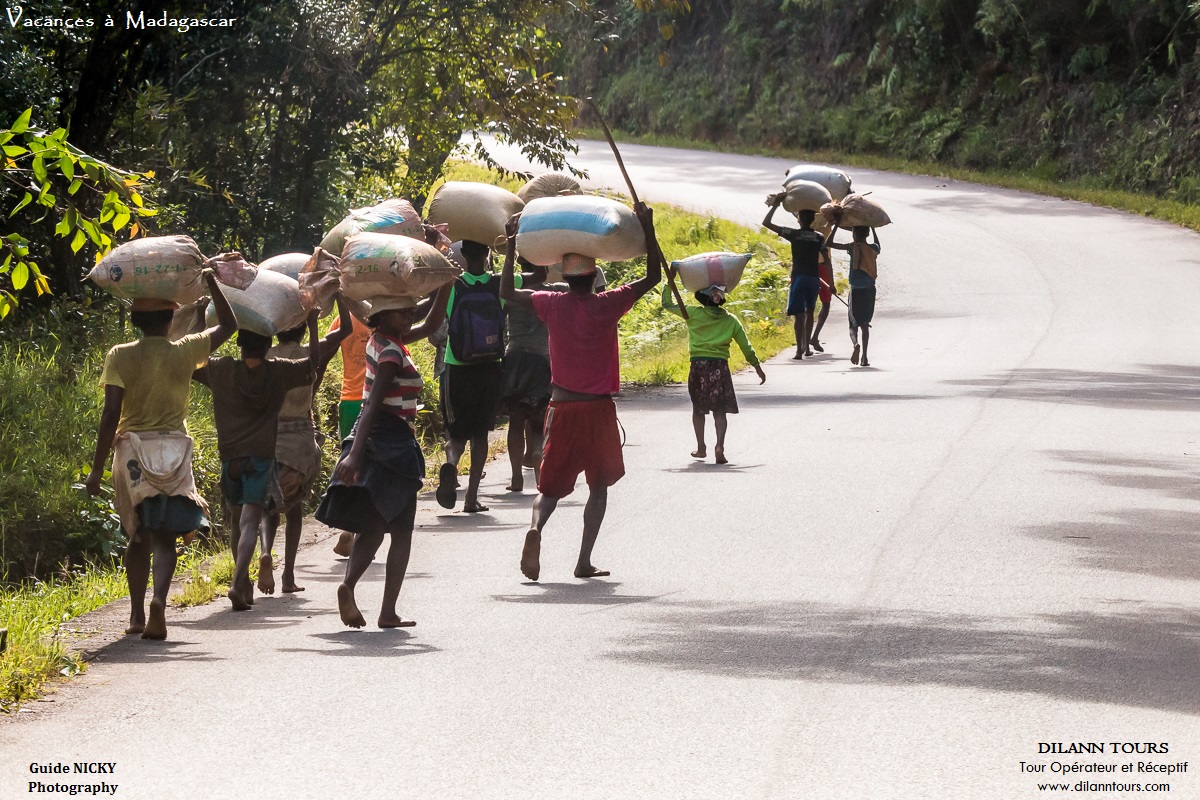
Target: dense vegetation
1100	91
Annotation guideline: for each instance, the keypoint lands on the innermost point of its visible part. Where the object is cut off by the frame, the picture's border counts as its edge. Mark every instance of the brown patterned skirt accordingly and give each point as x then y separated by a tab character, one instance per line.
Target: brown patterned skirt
710	386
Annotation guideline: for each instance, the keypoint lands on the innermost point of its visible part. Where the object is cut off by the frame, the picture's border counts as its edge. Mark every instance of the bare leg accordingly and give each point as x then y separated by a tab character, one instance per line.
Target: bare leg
698	426
721	422
247	539
816	334
593	517
137	575
164	571
397	564
798	328
808	326
866	334
535	438
361	554
294	526
543	507
479	449
447	489
517	423
235	528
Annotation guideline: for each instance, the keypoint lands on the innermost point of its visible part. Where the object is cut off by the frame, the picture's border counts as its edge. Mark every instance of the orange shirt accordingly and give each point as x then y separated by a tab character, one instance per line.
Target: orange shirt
354	360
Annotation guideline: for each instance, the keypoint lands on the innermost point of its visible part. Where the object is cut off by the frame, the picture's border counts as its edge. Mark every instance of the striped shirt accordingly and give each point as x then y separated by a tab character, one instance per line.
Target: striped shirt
401	397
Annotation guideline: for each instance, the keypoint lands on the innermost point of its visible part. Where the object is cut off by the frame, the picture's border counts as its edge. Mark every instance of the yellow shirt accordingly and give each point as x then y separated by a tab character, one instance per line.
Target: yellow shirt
156	374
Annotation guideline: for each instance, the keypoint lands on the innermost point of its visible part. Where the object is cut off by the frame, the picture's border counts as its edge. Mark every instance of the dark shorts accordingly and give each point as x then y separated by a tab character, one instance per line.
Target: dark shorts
862	306
348	411
581	437
710	385
250	481
526	382
802	299
470	395
826	291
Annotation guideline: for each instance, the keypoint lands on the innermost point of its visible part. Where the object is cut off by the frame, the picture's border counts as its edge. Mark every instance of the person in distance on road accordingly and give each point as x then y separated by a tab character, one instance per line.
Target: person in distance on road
864	257
582	433
710	330
146	389
381	469
807	248
248	393
825	295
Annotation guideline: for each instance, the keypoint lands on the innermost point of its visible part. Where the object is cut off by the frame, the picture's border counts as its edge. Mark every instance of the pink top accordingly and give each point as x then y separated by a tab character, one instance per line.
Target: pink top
583	337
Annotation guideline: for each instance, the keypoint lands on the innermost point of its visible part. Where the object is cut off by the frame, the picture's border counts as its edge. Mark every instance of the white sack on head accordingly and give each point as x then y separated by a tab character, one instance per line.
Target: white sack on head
550	184
270	304
703	270
376	266
834	180
289	264
805	196
155	267
396	216
475	212
596	227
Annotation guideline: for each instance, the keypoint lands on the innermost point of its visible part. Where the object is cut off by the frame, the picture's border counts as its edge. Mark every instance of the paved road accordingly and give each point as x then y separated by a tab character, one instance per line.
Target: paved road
908	577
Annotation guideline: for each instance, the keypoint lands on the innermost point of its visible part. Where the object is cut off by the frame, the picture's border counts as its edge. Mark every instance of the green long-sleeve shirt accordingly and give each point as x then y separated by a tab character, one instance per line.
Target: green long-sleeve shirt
710	330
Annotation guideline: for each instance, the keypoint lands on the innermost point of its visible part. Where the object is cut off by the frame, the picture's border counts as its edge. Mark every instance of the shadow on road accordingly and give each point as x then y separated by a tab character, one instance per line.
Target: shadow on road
369	642
1156	387
592	592
1146	658
135	650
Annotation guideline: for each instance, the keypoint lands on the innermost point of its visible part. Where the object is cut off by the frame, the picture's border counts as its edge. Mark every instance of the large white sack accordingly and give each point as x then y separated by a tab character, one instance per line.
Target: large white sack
596	227
550	184
856	210
703	270
804	195
475	212
834	180
270	304
378	266
396	216
289	264
157	267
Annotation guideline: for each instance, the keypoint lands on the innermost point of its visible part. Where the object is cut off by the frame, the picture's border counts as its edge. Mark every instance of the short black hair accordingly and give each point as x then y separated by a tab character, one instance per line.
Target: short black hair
473	250
292	335
254	342
152	320
580	281
806	216
861	230
705	299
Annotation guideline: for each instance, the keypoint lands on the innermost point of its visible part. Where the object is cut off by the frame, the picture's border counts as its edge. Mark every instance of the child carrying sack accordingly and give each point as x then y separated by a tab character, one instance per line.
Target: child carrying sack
701	271
805	196
550	184
836	182
155	267
476	212
270	304
289	264
477	321
854	211
380	265
596	227
396	216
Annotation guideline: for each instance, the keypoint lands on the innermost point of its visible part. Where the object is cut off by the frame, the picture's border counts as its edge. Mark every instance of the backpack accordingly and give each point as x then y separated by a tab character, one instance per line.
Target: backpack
477	322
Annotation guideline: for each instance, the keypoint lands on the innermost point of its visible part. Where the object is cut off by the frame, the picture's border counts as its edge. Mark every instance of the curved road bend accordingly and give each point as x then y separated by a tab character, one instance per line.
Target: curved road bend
908	578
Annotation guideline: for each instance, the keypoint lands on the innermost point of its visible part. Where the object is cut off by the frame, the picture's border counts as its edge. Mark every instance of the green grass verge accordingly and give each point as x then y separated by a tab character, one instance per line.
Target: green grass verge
1183	214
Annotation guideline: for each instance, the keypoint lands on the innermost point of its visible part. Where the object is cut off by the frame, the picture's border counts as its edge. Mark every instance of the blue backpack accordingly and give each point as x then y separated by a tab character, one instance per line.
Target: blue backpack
477	322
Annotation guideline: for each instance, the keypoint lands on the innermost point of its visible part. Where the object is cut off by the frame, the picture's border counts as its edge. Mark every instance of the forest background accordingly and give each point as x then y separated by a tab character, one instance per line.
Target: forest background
260	136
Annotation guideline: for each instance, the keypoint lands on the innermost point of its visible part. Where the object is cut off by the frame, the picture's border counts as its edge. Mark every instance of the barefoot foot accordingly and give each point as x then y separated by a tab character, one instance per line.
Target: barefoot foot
348	609
798	357
817	346
137	623
719	453
237	599
394	621
864	362
266	574
344	543
516	484
156	624
589	571
854	355
290	587
700	452
531	565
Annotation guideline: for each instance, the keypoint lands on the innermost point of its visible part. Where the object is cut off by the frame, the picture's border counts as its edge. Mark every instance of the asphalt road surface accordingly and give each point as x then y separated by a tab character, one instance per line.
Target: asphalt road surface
907	579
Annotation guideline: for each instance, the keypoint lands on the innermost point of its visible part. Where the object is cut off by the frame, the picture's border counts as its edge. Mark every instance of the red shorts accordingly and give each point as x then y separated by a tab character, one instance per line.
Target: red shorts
826	293
580	437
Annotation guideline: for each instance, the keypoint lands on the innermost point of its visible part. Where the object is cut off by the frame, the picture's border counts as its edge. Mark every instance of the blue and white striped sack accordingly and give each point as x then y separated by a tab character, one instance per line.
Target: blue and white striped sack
596	227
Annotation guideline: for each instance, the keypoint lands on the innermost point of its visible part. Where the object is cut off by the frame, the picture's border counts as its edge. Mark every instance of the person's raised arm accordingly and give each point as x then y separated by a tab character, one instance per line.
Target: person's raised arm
509	292
114	397
773	203
875	236
314	343
349	468
435	318
226	323
333	340
654	256
829	242
668	302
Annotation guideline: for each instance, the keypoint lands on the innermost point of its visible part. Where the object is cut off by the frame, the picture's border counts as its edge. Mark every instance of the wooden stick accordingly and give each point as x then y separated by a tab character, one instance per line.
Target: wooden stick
834	291
633	193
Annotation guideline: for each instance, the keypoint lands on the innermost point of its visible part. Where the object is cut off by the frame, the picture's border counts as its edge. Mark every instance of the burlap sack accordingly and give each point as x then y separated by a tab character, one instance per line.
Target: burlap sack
855	210
158	267
596	227
805	196
551	184
232	270
320	280
834	180
475	212
267	306
701	271
395	216
377	266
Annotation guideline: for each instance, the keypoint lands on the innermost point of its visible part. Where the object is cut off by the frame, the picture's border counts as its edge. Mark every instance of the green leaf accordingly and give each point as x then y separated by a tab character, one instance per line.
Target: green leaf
67	167
78	241
26	200
20	275
14	150
39	169
121	219
63	227
74	187
22	123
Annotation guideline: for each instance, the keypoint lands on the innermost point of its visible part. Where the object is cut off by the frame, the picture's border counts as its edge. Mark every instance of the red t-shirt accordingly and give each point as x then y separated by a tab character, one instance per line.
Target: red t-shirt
583	337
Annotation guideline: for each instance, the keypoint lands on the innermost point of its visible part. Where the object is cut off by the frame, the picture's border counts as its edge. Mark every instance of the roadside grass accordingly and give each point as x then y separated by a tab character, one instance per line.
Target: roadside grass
1186	215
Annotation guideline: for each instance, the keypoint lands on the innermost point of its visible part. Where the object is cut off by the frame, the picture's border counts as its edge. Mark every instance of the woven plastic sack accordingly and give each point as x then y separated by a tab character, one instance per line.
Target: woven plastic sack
551	184
158	267
855	210
701	271
396	216
289	264
805	196
378	266
320	280
233	270
590	226
834	180
267	306
475	212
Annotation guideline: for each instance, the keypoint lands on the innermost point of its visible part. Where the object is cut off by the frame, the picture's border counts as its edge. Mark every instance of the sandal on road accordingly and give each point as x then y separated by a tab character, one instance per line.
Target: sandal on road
447	491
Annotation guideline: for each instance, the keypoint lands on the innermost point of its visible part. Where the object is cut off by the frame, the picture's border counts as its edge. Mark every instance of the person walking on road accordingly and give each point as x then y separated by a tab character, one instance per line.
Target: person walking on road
711	329
582	433
474	374
825	295
248	393
864	257
146	388
354	371
807	248
381	469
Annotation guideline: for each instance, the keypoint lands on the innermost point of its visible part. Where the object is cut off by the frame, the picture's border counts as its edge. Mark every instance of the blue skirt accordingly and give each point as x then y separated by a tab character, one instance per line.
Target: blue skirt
392	474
